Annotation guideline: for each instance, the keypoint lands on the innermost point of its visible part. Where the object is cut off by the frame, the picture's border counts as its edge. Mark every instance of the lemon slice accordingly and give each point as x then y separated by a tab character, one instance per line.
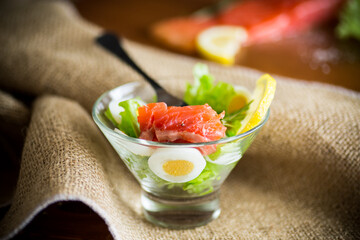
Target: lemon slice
221	43
242	97
263	95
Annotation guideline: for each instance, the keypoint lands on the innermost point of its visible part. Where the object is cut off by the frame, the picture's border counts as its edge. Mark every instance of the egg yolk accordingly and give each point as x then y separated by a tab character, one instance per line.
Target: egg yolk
178	167
236	103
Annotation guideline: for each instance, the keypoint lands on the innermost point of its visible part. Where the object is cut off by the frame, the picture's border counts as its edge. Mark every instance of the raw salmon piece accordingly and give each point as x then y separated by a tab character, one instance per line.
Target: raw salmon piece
189	124
265	20
268	20
146	116
250	13
180	33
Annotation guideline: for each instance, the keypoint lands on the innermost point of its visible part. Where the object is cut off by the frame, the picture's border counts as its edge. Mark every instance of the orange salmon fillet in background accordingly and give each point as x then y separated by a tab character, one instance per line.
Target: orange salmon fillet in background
265	20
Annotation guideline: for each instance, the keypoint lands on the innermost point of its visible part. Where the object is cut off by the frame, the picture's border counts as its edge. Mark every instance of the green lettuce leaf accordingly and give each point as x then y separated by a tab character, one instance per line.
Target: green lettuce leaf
349	25
203	184
232	122
128	122
218	96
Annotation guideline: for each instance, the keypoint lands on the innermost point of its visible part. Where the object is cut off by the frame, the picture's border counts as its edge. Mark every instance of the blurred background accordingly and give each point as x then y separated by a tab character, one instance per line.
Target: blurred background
317	52
320	43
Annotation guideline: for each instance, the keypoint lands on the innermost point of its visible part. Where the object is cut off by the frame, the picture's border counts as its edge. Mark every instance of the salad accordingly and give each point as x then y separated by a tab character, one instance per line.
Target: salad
216	110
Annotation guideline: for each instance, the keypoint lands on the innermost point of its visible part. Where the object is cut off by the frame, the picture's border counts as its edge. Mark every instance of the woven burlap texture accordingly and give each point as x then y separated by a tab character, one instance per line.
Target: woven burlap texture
300	178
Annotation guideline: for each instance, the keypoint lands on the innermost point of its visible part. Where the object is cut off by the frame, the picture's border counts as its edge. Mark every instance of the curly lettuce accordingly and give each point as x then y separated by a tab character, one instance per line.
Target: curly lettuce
203	184
124	116
218	96
232	121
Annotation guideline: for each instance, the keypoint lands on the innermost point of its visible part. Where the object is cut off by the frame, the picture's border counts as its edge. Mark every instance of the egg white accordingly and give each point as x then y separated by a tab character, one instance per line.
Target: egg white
163	155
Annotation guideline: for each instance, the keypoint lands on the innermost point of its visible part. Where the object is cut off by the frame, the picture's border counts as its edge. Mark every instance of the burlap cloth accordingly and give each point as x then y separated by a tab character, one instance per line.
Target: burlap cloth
299	180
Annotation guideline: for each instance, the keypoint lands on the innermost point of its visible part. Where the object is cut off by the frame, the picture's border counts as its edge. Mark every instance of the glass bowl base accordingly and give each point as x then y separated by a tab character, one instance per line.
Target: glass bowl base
180	213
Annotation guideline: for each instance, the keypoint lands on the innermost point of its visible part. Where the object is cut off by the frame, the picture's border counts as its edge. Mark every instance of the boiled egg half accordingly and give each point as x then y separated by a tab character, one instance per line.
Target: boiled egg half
177	165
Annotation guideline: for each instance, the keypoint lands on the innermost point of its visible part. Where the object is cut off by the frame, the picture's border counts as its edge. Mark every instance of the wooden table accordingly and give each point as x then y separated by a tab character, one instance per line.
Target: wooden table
315	56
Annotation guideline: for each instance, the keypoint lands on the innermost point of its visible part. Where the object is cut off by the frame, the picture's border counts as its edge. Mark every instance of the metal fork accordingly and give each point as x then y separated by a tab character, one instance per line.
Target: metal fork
112	43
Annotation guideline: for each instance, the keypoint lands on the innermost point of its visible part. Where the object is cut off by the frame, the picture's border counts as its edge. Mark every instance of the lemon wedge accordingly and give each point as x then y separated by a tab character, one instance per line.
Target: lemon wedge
242	97
221	43
263	95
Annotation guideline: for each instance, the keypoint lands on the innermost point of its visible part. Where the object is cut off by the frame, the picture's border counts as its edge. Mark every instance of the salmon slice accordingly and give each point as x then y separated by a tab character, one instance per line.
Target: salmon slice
146	117
189	124
180	33
268	20
265	20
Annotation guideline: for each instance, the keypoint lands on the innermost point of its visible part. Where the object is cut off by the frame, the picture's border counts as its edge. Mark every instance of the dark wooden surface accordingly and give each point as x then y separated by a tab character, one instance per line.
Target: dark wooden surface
314	56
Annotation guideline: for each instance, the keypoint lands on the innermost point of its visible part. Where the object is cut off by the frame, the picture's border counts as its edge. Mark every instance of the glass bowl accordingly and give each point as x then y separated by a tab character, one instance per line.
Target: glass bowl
173	202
